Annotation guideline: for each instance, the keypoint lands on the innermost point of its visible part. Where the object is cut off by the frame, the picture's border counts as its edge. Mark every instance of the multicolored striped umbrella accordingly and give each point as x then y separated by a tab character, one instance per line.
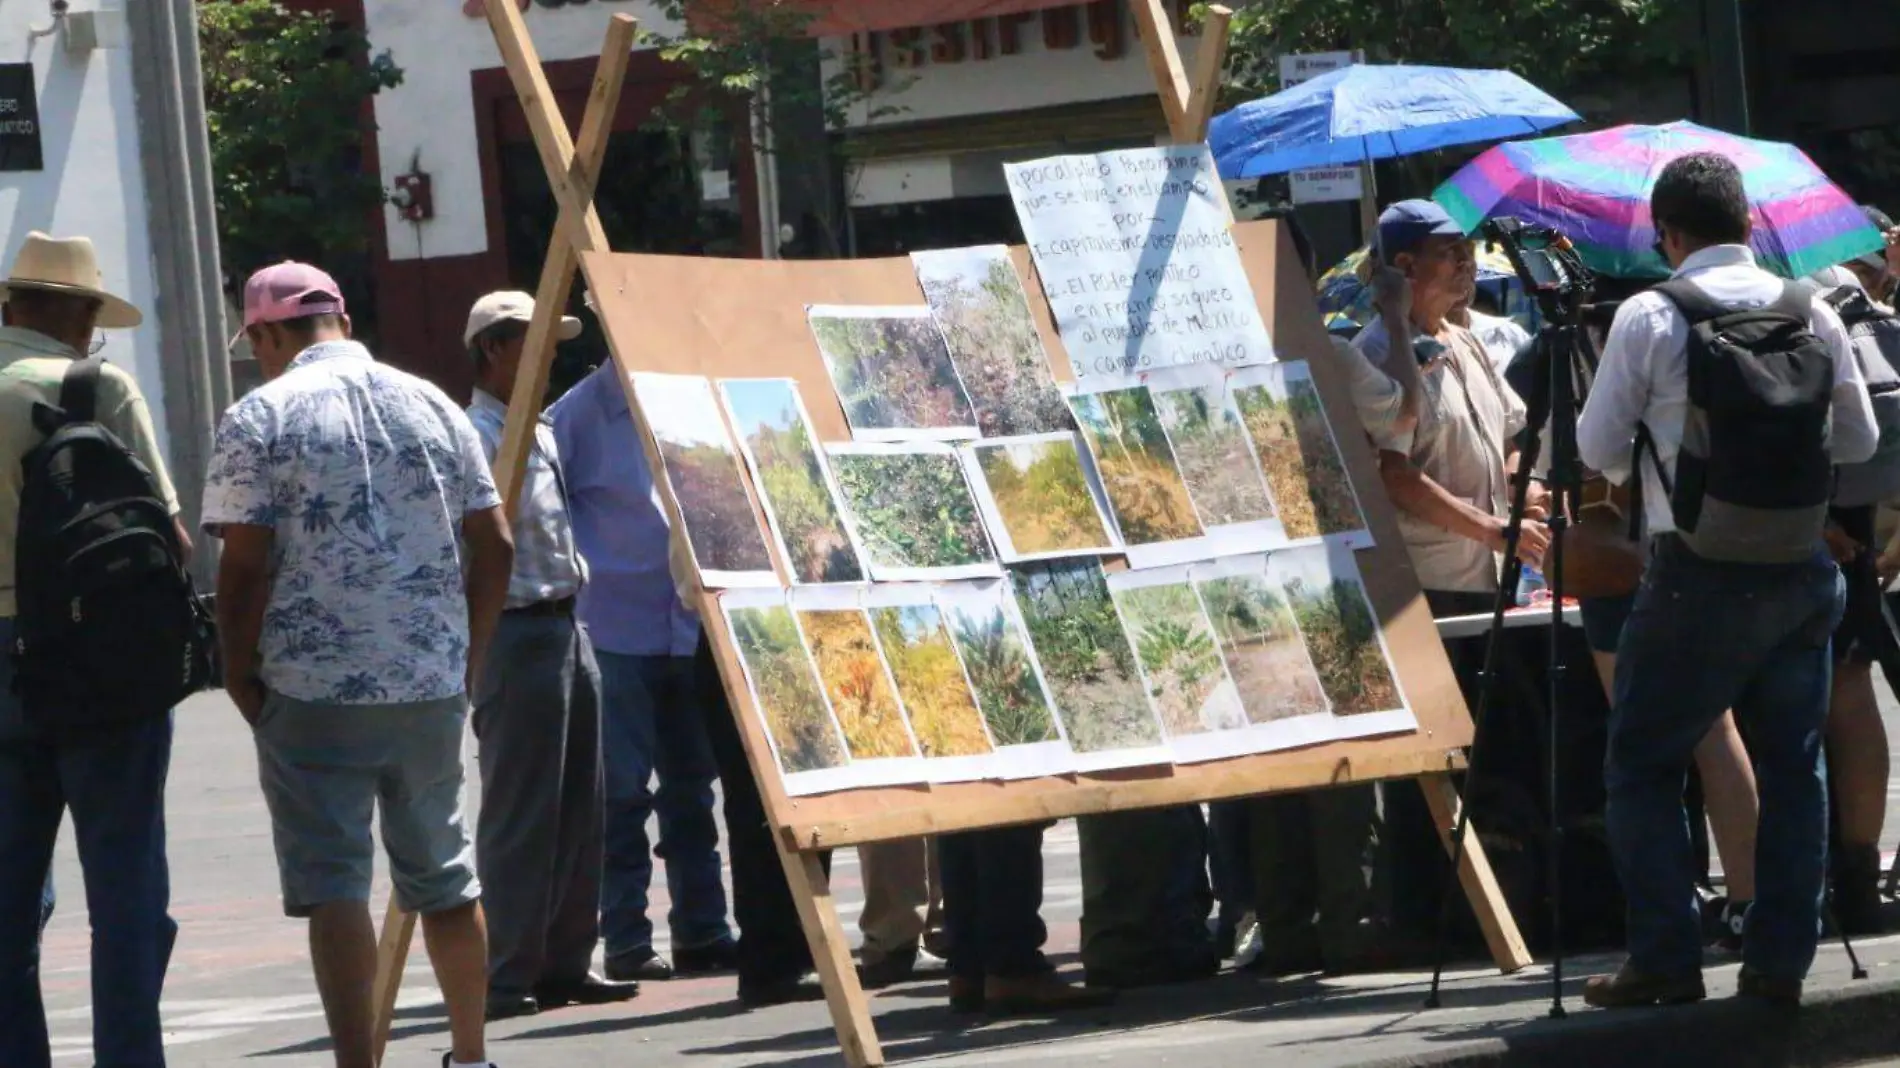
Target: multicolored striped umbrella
1595	188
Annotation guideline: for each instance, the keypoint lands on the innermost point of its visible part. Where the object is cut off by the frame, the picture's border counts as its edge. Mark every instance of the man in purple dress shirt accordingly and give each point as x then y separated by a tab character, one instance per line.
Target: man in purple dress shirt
665	712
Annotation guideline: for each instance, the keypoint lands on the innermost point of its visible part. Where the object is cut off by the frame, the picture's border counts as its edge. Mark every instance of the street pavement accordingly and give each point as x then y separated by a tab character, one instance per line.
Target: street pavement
240	992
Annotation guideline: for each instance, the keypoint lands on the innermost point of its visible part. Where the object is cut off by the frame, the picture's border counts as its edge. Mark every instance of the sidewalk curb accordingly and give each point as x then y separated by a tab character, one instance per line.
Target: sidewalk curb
1842	1026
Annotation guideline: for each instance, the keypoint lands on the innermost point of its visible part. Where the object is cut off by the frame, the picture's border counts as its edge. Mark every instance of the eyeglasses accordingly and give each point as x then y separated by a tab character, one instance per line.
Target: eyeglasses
98	343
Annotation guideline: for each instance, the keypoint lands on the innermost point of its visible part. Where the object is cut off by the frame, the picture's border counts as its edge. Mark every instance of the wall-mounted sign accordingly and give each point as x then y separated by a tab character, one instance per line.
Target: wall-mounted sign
19	119
1327	183
1103	26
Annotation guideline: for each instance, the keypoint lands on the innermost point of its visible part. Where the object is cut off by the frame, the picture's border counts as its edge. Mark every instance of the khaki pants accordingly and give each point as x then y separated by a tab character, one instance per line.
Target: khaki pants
903	898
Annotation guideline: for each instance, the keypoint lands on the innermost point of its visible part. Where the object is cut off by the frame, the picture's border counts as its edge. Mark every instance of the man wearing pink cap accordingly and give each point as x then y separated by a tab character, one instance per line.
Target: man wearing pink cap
352	500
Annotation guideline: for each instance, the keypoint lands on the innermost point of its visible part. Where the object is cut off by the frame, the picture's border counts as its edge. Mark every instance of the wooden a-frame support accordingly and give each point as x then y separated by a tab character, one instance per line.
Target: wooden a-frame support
1188	104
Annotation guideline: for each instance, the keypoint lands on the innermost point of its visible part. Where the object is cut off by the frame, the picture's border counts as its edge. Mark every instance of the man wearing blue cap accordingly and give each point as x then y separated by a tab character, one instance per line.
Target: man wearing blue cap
1449	474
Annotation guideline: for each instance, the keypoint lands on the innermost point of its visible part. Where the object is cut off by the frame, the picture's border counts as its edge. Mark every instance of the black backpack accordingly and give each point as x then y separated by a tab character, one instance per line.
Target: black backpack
1876	336
110	632
1754	474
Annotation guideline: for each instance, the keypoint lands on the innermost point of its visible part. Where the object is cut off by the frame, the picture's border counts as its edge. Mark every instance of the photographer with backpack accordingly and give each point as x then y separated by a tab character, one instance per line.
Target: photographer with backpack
1731	394
104	634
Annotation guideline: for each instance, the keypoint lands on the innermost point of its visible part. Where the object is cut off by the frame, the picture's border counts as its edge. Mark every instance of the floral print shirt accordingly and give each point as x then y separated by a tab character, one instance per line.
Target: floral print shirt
363	473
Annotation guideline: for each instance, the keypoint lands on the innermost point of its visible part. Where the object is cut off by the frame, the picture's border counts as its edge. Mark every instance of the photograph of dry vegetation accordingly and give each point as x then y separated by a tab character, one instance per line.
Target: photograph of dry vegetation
853	677
912	510
791	477
786	689
1138	468
979	303
1342	636
703	471
891	371
1261	644
943	713
1041	496
1216	459
1180	660
997	660
1085	656
1297	451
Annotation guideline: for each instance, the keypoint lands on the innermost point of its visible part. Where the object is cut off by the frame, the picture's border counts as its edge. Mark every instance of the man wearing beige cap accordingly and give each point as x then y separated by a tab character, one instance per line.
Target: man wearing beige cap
537	717
114	784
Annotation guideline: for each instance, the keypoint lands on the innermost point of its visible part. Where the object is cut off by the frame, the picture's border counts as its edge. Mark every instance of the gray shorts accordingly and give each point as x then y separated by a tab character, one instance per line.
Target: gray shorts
325	768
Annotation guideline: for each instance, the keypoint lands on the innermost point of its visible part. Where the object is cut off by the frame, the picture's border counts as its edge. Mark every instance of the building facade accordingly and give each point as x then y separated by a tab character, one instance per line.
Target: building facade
102	135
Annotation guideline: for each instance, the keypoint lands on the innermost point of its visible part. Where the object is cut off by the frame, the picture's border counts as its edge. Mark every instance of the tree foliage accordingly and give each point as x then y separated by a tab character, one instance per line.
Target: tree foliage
284	93
1560	45
759	52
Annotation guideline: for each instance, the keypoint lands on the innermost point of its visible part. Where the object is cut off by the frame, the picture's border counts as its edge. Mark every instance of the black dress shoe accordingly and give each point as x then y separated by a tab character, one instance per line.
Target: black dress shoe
503	1005
759	994
713	959
1629	988
1756	985
592	990
650	968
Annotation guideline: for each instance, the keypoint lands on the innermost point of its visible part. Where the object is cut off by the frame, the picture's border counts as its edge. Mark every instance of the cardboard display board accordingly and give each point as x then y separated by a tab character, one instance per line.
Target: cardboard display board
725	318
746	318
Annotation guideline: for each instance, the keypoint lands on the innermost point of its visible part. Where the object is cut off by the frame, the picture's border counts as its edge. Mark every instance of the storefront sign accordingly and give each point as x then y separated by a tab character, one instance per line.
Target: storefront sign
1103	25
1325	183
19	119
1138	260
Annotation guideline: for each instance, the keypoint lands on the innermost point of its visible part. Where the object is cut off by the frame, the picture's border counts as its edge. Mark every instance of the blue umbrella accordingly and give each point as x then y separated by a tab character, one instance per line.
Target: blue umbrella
1362	113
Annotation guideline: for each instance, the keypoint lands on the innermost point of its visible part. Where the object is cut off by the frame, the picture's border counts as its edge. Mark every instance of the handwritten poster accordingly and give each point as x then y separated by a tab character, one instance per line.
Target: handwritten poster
1135	253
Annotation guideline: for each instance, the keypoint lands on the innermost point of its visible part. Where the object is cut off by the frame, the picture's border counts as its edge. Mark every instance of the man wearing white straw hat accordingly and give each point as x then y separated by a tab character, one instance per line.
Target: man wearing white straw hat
537	716
115	784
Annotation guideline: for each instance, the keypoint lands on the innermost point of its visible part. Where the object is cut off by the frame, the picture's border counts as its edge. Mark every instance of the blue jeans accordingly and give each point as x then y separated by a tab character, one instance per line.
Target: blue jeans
115	789
1703	637
653	722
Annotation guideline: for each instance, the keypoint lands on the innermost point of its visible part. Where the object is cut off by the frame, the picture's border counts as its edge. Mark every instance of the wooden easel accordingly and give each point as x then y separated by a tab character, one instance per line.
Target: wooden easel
573	169
739	317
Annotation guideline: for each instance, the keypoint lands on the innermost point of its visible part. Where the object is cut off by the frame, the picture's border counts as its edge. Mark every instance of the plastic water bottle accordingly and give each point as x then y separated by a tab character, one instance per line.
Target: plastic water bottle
1531	587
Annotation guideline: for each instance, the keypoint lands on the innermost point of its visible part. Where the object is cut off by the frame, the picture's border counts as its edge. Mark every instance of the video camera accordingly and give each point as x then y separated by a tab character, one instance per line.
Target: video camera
1547	265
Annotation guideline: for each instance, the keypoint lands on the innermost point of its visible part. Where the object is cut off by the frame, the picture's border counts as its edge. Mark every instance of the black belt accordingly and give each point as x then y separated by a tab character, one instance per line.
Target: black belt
562	607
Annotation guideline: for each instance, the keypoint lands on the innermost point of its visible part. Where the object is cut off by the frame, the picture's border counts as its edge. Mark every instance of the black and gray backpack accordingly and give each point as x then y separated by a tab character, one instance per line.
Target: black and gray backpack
1876	336
1754	475
110	632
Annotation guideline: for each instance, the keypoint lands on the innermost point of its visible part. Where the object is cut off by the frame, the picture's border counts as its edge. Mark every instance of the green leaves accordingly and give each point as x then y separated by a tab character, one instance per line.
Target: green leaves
284	93
1558	44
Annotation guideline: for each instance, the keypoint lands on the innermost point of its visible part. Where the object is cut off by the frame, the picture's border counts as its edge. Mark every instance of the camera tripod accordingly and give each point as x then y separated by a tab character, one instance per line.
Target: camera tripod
1553	274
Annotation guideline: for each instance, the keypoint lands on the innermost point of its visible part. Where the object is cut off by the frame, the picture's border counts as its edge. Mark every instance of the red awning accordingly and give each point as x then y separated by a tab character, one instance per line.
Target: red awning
836	18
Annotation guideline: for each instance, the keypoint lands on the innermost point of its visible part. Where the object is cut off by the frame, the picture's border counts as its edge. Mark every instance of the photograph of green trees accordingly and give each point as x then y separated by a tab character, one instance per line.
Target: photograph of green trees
979	304
800	501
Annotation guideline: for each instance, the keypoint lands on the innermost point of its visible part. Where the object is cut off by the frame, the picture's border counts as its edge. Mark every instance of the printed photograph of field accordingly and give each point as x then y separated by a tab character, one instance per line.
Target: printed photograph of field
979	304
786	689
1216	459
1180	659
1085	655
703	471
853	676
892	373
1260	643
1137	465
912	510
799	499
1038	496
997	661
1296	448
943	713
1341	633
